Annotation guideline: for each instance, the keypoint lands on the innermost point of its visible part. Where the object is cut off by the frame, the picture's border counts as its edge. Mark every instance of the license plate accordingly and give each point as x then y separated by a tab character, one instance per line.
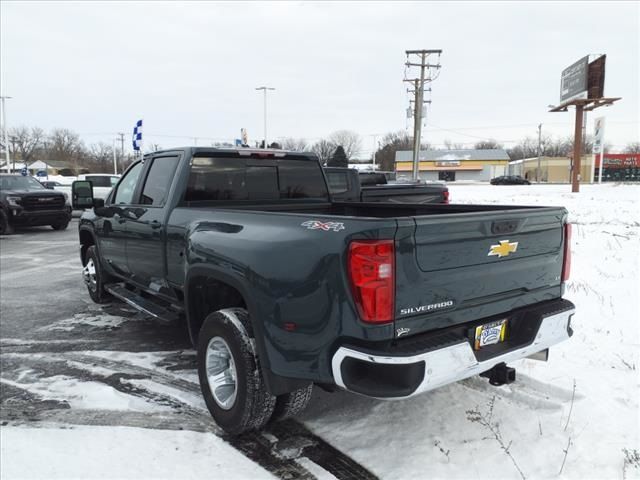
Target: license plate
490	333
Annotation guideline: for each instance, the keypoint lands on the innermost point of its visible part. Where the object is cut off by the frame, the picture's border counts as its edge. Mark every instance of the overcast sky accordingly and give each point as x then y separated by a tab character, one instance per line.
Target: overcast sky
190	69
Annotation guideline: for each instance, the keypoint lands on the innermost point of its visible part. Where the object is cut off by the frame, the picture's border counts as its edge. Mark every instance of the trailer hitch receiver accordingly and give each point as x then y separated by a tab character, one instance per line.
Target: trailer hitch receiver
500	375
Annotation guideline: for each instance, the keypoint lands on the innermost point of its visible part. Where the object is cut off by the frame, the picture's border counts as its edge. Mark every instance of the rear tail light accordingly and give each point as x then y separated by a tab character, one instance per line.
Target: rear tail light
566	262
445	196
372	278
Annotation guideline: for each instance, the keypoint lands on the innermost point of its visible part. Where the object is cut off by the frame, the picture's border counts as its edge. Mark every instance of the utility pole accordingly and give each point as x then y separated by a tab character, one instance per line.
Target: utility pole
375	148
115	158
539	152
418	84
121	135
264	90
5	132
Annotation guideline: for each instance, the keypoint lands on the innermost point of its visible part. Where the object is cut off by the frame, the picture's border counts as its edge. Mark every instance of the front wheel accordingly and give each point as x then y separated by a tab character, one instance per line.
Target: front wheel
5	227
60	225
229	372
95	277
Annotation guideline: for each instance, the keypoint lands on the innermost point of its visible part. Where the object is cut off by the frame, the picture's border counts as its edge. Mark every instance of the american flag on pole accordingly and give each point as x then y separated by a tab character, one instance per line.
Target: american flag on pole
137	136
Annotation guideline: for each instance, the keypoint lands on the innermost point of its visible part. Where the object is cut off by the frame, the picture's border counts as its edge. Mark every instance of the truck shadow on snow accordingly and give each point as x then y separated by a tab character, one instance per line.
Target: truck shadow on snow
111	366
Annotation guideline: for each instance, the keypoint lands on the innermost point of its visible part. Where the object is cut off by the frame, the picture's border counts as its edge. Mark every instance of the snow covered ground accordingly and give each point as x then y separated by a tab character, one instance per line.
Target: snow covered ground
576	416
583	401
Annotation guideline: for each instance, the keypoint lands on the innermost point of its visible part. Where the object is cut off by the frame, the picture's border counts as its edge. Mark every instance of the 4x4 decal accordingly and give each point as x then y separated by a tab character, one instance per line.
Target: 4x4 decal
324	226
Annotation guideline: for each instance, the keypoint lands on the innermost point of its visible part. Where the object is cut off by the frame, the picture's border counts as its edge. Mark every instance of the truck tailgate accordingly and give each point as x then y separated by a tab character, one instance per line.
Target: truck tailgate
461	267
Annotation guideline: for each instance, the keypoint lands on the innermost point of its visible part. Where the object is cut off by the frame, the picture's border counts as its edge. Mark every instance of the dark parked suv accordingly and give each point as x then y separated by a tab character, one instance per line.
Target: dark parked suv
26	202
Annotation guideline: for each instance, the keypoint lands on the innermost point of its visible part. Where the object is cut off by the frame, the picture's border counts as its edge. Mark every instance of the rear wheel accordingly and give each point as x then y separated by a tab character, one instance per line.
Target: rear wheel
95	277
291	404
229	371
5	228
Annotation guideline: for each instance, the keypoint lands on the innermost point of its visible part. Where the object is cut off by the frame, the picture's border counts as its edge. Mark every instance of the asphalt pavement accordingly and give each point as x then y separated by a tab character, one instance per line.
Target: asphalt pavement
56	345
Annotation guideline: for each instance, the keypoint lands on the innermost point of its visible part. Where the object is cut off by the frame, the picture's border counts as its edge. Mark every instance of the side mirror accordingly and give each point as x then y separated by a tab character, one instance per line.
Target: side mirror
82	194
98	203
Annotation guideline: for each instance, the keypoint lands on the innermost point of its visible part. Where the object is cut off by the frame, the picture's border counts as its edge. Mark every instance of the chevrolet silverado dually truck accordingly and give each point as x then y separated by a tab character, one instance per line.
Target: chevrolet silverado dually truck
282	288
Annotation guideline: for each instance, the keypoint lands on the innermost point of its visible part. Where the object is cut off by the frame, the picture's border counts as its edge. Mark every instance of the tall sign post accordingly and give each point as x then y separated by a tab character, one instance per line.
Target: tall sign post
582	86
598	148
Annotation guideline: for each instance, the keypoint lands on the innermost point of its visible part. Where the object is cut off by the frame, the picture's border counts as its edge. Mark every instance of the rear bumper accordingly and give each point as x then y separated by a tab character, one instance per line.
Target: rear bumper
380	375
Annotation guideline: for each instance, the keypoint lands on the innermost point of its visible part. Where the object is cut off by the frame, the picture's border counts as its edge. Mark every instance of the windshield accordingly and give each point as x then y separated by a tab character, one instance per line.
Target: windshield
14	182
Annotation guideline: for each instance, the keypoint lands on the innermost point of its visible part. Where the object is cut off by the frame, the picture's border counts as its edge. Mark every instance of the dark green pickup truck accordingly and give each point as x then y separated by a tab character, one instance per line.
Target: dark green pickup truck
282	288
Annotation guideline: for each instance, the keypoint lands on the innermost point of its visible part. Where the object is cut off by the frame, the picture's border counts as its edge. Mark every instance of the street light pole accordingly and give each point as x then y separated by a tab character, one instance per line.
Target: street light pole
538	172
5	132
264	91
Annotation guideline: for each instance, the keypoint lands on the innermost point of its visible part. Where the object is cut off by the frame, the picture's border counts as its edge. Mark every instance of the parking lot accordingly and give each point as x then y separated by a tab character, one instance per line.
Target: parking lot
93	379
67	361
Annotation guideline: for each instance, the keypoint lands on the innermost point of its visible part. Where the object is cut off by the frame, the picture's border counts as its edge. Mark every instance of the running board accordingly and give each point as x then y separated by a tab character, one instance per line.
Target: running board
140	303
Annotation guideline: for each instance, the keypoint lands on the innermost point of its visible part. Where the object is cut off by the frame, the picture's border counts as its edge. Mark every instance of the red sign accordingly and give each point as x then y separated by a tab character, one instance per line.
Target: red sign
619	160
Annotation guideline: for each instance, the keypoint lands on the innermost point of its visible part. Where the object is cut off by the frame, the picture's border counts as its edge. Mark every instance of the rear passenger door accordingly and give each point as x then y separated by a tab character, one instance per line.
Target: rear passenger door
146	225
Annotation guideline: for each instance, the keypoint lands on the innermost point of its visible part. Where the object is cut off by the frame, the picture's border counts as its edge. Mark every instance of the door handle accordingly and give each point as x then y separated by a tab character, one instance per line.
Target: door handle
155	224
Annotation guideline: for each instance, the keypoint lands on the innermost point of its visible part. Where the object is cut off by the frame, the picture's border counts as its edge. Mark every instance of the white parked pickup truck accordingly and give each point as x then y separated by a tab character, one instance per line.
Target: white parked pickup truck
102	184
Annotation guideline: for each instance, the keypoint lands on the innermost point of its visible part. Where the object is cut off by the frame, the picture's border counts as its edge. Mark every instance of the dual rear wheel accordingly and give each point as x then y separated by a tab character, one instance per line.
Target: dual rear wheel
231	378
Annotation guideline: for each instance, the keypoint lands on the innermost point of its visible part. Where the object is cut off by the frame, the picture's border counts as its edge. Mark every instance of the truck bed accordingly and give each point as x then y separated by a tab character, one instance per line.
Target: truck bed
372	210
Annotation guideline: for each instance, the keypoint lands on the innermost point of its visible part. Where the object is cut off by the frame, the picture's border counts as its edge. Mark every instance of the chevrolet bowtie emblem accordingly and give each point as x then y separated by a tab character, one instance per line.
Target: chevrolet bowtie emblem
503	249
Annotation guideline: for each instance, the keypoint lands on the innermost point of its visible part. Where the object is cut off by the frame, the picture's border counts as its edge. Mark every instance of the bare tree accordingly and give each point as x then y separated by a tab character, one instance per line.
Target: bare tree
65	145
25	142
452	145
389	145
633	147
323	149
489	144
99	158
295	144
349	140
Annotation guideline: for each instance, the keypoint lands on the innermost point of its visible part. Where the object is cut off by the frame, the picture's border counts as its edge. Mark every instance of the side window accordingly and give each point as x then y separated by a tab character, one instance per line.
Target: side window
126	188
156	186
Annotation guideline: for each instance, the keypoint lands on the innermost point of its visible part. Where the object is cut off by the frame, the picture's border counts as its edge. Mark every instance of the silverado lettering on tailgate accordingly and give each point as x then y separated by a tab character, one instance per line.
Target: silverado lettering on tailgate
426	308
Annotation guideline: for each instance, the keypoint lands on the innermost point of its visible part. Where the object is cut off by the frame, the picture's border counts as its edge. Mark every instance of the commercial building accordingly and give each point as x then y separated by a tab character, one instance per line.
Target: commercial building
618	167
552	169
454	165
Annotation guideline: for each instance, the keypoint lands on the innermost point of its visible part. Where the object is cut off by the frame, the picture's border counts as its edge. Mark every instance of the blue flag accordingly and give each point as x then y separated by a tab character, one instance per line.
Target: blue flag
137	135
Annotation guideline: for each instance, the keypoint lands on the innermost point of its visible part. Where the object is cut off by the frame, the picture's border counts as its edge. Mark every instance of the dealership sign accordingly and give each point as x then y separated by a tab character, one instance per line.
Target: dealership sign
448	163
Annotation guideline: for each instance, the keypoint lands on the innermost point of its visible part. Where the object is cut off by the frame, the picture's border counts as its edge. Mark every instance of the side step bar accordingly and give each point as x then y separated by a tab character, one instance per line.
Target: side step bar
140	303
